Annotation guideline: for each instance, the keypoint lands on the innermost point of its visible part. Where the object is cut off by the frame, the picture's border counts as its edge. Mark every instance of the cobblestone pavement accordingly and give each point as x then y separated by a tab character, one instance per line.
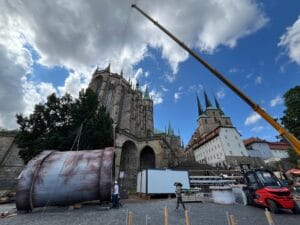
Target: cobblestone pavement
200	213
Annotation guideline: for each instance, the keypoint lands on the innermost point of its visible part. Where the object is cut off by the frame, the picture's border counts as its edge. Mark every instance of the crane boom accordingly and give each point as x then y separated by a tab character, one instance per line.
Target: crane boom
287	135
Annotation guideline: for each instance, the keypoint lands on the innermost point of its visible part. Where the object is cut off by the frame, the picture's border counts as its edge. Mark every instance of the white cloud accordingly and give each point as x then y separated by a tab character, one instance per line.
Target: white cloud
252	119
291	41
258	80
248	76
196	88
170	77
78	35
276	101
257	129
233	70
36	93
177	96
156	96
163	88
221	94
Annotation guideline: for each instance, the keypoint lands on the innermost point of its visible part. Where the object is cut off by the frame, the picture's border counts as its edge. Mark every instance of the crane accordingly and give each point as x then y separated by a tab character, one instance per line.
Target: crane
295	143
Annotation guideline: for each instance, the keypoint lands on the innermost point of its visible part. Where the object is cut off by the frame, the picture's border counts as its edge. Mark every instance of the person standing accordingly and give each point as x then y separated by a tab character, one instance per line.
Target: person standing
179	195
115	196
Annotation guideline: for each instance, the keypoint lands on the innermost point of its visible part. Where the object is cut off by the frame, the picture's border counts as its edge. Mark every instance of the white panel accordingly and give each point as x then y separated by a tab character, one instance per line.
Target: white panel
162	181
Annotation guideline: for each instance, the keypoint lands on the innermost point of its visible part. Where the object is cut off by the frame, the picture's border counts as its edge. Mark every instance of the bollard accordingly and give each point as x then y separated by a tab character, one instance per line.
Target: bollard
130	218
269	217
228	218
232	220
187	218
166	216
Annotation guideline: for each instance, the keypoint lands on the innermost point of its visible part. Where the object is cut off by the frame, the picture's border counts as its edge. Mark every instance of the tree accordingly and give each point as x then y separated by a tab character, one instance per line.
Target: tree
63	123
291	118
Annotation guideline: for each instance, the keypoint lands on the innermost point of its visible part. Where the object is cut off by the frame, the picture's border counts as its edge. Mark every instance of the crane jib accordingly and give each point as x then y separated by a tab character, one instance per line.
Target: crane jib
288	136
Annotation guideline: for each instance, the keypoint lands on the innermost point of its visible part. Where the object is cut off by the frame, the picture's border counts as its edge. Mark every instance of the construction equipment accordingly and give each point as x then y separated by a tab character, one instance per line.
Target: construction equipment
265	189
283	132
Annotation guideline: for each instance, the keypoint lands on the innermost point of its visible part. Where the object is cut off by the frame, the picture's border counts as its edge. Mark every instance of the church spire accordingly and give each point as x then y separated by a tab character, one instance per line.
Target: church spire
207	101
218	105
146	94
170	129
107	69
200	111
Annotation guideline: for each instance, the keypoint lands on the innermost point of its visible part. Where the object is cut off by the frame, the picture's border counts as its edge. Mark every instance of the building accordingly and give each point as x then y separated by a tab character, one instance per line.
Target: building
216	141
10	163
137	145
258	148
268	151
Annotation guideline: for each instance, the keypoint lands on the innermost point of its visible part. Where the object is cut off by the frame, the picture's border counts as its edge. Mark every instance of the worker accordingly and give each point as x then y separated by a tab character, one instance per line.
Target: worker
115	196
179	195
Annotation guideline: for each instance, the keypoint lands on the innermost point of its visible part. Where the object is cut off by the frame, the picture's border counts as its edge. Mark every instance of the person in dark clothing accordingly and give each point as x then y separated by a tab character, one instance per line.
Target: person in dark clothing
179	195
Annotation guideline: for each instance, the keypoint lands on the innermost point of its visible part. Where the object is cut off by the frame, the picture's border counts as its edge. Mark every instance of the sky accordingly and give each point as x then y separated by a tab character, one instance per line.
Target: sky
53	46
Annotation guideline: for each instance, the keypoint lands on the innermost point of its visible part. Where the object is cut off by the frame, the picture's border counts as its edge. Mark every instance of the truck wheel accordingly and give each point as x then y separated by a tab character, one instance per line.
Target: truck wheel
272	206
296	209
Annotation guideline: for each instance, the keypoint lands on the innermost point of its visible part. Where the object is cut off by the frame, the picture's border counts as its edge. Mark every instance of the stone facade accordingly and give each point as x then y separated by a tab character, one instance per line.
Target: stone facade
10	163
137	147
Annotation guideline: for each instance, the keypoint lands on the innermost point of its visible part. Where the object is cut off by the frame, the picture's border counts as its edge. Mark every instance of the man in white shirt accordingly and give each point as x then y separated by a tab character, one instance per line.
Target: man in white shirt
115	196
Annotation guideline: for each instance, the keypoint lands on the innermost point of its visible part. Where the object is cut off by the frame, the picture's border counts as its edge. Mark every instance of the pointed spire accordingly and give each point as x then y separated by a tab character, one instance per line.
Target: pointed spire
137	85
200	111
121	73
146	94
169	129
218	105
107	69
207	101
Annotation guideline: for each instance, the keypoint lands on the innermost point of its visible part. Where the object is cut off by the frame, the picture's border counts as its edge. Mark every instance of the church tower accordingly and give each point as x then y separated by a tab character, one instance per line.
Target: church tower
130	109
212	117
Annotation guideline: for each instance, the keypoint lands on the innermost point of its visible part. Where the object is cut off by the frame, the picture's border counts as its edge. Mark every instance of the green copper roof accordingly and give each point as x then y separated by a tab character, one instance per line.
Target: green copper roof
200	111
207	101
218	105
146	94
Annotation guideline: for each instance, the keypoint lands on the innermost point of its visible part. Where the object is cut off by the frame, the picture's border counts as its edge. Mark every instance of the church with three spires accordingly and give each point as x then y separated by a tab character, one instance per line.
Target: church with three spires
216	141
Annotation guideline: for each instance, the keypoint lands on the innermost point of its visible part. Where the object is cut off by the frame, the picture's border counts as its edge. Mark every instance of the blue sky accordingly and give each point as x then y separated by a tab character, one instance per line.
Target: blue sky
255	44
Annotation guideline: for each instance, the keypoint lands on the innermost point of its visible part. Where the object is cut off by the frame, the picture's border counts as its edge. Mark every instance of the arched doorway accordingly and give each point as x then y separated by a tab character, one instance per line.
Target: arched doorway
128	165
147	158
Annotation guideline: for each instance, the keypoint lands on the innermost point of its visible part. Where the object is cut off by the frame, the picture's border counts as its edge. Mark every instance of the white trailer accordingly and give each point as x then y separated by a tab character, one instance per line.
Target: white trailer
160	181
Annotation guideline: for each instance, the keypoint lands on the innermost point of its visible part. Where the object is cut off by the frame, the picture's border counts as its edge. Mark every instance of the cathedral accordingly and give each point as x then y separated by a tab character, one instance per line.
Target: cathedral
137	145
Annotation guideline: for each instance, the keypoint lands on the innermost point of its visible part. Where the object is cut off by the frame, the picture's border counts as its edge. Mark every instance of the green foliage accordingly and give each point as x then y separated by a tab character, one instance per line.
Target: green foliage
291	118
57	123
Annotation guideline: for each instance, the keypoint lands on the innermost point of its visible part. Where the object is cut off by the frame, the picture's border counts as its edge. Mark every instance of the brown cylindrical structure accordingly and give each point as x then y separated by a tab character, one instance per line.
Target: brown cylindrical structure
64	178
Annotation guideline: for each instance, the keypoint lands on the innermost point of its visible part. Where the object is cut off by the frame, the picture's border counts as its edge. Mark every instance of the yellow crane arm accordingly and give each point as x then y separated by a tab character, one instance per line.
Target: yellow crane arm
289	137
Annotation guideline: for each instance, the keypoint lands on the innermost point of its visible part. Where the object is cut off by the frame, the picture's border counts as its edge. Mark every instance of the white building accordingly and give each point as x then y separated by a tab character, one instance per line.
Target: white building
218	145
268	151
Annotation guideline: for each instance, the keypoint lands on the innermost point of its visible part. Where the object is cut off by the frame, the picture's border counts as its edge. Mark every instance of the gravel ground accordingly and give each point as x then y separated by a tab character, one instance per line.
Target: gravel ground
200	213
